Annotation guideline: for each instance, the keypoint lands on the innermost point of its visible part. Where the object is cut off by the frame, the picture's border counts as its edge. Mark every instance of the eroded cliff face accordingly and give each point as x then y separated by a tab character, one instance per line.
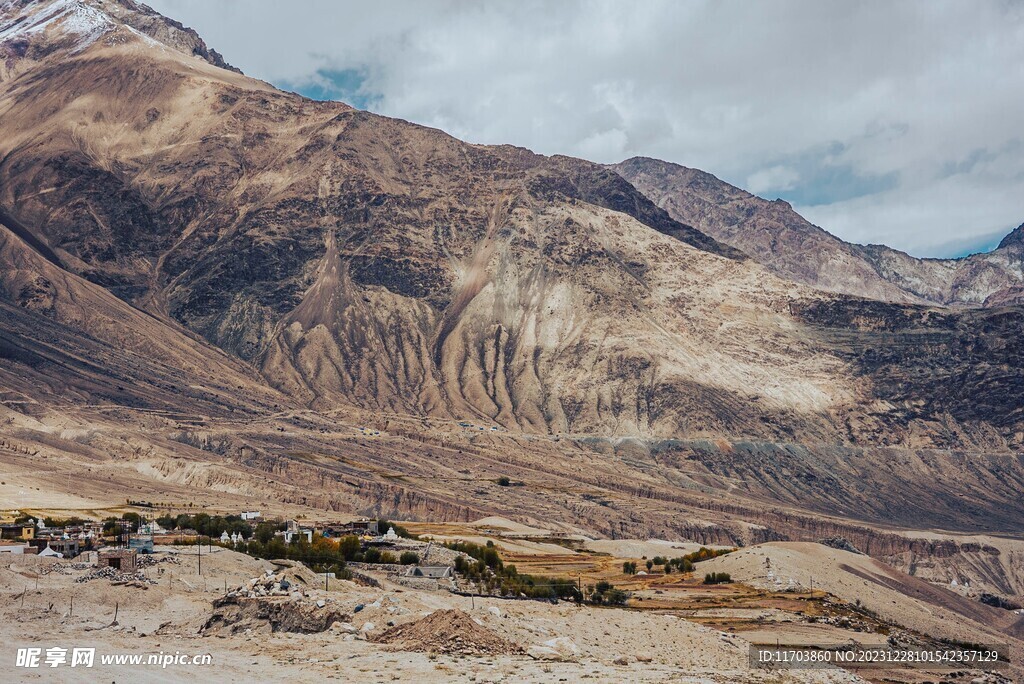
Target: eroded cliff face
360	260
790	246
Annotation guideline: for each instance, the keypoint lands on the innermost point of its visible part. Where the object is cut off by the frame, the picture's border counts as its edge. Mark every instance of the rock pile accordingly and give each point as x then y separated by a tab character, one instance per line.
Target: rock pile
269	584
235	614
135	579
148	560
450	632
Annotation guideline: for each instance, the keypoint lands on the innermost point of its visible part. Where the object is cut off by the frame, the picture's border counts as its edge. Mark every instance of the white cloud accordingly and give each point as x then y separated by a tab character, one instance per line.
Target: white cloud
774	178
905	91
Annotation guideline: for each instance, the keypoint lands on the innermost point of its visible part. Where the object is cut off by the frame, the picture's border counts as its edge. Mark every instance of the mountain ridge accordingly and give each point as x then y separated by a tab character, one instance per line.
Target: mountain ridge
777	236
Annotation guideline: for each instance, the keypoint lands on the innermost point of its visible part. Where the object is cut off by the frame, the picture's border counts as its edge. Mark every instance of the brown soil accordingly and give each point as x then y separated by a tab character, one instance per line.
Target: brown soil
451	632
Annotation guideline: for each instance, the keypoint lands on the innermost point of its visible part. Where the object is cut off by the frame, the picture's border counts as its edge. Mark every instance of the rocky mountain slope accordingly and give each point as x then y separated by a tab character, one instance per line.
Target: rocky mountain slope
214	284
790	246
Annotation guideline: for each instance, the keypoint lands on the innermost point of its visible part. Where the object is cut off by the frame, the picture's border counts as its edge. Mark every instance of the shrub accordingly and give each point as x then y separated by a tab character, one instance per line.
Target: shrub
604	592
503	481
349	546
410	558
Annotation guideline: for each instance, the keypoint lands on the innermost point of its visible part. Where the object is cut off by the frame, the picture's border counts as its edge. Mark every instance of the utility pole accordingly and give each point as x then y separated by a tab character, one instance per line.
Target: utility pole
200	547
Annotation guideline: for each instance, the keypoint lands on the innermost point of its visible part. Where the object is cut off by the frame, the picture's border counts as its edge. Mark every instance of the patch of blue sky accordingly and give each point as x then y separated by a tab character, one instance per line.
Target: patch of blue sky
344	85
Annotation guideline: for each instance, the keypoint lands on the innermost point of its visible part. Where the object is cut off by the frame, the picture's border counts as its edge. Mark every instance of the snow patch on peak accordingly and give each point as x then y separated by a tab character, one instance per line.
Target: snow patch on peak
69	17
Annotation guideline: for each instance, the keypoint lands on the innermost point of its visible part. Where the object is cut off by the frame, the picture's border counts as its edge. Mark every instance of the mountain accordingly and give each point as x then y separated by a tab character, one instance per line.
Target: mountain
791	247
223	291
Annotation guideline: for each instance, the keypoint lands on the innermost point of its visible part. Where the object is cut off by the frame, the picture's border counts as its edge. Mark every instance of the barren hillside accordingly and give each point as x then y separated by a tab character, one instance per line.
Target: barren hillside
211	284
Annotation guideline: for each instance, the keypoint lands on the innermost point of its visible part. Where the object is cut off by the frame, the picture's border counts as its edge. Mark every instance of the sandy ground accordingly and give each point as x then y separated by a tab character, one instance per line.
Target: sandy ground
592	643
893	595
633	548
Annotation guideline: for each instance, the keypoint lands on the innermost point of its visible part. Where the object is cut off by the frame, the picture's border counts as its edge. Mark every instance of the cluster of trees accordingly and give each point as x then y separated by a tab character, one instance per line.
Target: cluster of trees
679	564
50	522
717	578
214	526
129	522
492	576
64	522
321	555
605	593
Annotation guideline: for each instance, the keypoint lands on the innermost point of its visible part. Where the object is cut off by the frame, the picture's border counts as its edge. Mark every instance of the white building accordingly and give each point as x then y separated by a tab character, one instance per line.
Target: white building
289	535
50	552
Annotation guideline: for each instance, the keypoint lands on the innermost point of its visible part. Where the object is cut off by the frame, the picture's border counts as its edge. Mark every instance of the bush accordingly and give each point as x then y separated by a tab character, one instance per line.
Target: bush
606	593
410	558
717	578
629	568
349	546
503	481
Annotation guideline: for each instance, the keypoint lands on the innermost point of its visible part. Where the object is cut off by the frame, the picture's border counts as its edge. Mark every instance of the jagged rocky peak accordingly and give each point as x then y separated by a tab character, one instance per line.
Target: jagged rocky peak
1014	239
33	29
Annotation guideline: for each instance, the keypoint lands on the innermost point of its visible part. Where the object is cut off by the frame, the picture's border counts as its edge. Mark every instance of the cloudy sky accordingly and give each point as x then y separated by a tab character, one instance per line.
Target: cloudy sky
900	123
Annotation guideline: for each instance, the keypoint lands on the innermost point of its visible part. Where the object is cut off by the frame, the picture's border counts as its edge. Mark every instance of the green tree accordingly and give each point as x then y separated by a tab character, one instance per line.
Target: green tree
349	546
265	532
717	578
134	520
409	558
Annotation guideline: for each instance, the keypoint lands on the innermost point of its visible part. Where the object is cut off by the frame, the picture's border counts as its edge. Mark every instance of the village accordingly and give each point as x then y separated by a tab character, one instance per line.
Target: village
491	600
119	543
